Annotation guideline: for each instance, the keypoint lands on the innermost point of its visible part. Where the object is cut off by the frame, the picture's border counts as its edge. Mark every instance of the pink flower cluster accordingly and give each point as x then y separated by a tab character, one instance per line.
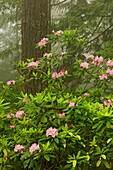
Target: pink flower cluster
108	103
33	64
48	55
58	33
19	113
103	76
86	94
84	65
19	148
109	72
71	104
43	42
60	115
97	60
90	57
11	115
52	132
10	82
24	100
12	126
33	148
60	74
109	63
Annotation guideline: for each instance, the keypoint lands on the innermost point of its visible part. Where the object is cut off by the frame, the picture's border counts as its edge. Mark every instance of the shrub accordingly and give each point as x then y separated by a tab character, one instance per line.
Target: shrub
59	127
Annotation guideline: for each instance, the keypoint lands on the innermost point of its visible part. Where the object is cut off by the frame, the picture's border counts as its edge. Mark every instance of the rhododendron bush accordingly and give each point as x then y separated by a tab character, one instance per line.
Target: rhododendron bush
62	126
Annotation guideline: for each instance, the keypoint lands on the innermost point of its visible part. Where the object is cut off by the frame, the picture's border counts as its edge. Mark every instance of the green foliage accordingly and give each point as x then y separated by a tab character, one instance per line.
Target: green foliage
84	134
71	127
68	59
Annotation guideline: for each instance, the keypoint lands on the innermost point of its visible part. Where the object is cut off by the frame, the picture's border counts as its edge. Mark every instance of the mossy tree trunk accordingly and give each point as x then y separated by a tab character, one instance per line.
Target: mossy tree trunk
36	15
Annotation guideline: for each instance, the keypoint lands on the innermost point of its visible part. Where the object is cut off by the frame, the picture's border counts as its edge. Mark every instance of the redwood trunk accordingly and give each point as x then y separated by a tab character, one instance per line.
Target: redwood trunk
35	25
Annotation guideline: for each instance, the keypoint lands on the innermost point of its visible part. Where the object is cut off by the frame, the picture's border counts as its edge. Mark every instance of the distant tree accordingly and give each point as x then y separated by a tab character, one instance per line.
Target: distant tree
10	17
93	21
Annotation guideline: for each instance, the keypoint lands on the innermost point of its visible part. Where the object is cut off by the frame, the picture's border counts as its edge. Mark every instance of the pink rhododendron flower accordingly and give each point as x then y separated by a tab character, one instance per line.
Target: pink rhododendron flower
48	55
24	100
11	115
101	98
19	113
19	148
103	76
60	115
86	94
108	103
71	104
109	72
52	132
12	126
84	65
90	57
55	75
43	42
10	82
33	64
58	33
33	148
97	60
60	74
109	63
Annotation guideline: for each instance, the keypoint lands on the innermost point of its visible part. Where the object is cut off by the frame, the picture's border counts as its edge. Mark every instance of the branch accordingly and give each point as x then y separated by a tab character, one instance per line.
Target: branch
99	34
97	26
58	3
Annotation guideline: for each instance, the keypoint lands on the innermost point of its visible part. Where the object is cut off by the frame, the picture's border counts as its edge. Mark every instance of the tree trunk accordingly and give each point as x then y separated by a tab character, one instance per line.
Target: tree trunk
36	16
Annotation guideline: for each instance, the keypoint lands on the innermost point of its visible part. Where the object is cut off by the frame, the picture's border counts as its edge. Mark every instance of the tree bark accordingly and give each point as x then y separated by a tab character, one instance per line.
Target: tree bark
36	15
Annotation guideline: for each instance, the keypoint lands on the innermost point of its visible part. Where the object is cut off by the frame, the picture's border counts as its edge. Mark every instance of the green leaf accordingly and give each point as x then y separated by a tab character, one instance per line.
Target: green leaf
98	149
109	140
103	156
108	124
44	119
98	163
46	146
64	145
78	137
74	163
26	162
5	152
1	160
60	100
78	154
47	157
93	143
95	125
106	164
56	140
70	133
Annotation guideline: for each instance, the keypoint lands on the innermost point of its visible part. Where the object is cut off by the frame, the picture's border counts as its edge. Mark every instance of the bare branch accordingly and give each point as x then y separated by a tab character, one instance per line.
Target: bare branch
58	3
97	26
99	34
